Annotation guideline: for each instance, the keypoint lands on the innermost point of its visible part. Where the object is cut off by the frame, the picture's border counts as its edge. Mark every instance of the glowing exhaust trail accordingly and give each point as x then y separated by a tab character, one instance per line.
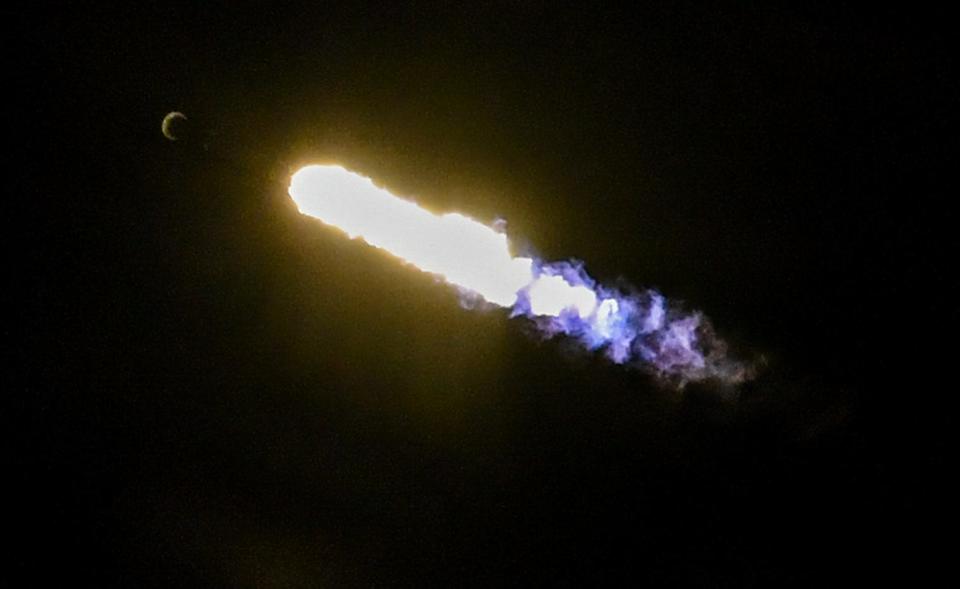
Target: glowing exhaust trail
558	297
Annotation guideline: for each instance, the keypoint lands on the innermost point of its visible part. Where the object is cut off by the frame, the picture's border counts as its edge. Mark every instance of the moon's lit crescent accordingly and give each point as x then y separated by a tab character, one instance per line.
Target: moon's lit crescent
168	120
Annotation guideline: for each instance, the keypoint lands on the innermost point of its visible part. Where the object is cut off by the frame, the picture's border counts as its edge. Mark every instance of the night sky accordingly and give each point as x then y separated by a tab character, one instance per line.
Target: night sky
208	389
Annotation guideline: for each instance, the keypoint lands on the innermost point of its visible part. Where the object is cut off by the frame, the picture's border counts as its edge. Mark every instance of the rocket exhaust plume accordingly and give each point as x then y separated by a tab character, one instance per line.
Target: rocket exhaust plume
560	298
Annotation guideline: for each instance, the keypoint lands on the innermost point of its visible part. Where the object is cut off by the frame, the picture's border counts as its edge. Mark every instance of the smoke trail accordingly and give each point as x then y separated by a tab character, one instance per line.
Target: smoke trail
636	327
560	298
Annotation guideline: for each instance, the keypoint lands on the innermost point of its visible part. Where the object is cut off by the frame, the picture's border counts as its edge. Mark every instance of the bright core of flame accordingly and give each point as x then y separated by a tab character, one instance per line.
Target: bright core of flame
462	251
550	295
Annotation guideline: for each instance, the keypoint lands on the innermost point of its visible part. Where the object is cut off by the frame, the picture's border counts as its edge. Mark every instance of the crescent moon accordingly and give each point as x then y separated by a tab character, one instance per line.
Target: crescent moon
168	120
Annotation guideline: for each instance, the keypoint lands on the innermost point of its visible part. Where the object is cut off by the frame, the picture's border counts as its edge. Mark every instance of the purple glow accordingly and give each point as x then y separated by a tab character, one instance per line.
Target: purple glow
634	328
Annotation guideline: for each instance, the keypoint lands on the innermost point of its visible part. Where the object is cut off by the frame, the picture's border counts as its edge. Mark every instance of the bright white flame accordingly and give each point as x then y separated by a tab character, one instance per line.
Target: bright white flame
550	295
464	252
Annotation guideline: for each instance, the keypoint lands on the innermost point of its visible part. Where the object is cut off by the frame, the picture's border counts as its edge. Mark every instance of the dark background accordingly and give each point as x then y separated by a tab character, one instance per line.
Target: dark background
210	390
